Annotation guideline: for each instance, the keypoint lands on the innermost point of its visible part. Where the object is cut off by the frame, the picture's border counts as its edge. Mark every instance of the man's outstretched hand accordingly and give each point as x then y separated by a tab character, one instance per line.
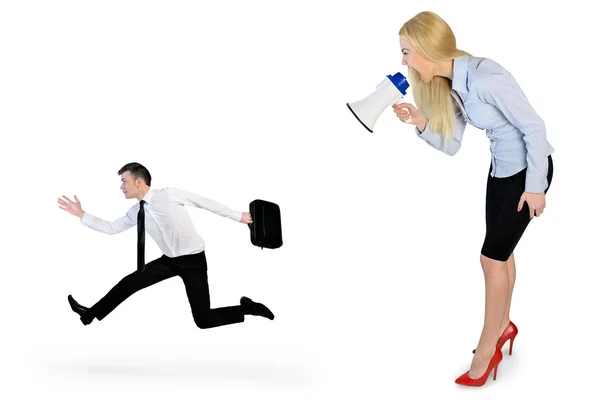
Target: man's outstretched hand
246	218
71	207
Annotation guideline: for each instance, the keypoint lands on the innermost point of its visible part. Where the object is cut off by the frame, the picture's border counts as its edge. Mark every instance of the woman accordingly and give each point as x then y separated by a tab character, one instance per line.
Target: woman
451	87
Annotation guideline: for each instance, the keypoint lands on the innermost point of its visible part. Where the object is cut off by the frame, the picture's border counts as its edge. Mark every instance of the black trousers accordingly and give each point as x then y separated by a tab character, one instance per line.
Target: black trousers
504	224
192	269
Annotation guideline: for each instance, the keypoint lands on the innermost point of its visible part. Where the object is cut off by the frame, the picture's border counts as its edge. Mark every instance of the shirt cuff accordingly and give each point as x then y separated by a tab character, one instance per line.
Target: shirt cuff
425	131
236	215
428	135
86	219
535	184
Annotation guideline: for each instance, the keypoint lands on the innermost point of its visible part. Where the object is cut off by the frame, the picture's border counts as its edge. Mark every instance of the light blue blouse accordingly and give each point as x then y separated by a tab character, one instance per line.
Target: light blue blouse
488	97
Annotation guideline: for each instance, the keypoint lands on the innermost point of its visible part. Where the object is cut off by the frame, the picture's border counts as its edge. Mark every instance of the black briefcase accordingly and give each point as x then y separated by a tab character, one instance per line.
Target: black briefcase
265	230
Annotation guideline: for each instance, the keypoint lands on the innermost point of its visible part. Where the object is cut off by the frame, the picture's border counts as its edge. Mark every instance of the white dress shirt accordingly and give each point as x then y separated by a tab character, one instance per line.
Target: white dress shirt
166	220
488	97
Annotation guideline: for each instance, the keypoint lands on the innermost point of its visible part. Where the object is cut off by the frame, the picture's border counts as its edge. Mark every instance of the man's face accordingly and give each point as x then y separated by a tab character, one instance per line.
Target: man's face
128	185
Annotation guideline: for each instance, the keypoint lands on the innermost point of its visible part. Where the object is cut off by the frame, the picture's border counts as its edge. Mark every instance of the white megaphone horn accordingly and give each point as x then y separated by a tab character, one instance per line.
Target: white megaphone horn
390	91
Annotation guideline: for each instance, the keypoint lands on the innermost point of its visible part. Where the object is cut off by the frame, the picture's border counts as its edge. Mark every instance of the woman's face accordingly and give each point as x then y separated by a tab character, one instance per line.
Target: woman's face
414	61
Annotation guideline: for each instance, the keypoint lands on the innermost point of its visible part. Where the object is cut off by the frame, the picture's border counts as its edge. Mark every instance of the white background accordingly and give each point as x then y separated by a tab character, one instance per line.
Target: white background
377	291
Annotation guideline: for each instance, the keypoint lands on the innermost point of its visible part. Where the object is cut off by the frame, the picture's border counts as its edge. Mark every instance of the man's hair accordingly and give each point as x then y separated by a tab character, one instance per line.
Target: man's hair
137	171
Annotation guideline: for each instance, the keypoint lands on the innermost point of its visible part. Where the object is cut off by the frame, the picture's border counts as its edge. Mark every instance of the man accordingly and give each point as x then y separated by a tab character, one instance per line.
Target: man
162	213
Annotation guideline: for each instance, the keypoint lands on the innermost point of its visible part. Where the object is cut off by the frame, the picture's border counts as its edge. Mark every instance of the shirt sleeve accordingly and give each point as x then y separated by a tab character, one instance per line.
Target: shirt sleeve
115	227
192	199
499	89
449	146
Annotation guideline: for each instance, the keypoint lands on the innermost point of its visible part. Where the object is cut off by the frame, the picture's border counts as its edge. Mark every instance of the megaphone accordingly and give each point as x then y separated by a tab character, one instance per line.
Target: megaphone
390	91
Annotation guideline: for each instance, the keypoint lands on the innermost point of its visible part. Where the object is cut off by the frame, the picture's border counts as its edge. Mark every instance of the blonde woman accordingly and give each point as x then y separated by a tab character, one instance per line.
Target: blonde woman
452	88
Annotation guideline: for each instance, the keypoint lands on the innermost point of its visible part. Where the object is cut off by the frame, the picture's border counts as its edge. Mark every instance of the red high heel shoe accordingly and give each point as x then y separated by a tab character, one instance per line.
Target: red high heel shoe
478	382
510	332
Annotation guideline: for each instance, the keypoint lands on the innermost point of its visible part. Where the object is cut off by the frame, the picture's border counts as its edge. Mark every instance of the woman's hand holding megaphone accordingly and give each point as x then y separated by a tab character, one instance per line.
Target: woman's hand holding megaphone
405	111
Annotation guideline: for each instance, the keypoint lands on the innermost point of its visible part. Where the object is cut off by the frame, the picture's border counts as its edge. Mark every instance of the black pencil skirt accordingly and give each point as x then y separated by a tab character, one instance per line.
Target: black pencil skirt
504	224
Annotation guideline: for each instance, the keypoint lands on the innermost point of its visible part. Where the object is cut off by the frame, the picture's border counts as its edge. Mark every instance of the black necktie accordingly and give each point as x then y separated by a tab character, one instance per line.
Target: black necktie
141	234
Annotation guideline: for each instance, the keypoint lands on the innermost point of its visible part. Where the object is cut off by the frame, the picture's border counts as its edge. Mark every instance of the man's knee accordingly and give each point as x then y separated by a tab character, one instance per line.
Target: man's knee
202	321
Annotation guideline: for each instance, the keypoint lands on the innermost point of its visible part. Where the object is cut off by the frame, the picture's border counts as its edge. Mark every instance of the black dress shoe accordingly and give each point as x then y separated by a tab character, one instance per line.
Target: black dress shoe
83	312
253	308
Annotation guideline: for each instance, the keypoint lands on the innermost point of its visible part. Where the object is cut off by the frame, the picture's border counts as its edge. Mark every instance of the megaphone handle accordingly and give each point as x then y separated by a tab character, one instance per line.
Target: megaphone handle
409	119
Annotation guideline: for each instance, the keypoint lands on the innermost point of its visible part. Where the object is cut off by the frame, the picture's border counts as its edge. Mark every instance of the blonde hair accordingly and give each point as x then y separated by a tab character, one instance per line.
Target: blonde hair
433	38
